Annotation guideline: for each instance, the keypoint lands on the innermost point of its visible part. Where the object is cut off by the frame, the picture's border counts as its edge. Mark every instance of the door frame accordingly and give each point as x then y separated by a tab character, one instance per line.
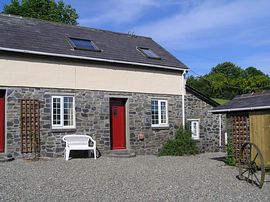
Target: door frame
5	120
126	106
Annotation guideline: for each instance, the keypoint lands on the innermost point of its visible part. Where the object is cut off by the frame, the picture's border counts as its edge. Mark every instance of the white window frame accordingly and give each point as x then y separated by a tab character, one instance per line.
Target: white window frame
61	125
166	124
195	122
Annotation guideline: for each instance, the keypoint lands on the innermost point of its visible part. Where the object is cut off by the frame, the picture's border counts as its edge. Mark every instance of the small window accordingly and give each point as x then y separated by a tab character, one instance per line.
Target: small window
149	53
83	44
63	112
159	110
195	128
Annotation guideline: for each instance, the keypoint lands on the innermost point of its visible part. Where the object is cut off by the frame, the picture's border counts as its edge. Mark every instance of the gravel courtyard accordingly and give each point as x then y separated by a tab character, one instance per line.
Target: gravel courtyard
143	178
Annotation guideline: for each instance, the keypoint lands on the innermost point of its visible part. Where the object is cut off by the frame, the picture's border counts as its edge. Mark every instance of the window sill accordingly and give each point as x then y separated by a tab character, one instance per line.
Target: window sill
160	127
61	130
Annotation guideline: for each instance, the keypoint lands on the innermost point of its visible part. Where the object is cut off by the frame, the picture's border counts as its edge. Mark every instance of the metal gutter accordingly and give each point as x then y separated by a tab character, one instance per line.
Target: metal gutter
239	109
220	128
89	58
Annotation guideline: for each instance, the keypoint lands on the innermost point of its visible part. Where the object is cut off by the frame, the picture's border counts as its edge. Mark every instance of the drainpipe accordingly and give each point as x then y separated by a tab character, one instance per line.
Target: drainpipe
183	98
220	129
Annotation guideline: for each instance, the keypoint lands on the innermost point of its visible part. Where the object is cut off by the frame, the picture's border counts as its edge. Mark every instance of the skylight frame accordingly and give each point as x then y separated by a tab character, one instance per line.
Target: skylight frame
91	43
153	55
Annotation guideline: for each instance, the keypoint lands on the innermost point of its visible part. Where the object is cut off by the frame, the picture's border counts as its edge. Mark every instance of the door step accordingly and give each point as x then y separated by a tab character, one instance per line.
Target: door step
121	153
5	158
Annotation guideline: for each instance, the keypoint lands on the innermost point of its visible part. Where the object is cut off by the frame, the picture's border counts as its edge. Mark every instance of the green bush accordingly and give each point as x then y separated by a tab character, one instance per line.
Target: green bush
230	160
183	144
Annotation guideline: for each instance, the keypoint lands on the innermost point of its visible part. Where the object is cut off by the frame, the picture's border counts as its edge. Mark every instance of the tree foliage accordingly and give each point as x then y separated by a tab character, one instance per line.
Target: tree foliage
43	9
227	80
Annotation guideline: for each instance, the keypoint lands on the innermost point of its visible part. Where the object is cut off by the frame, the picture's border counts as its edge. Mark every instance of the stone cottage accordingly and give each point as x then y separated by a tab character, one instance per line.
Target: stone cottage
58	79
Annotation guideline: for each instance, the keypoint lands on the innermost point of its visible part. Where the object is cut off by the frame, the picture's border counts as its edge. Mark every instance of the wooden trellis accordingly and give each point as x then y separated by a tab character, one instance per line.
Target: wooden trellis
30	126
240	132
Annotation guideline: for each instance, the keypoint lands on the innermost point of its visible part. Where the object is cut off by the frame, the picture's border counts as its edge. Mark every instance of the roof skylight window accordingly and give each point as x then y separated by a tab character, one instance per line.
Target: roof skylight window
83	44
148	53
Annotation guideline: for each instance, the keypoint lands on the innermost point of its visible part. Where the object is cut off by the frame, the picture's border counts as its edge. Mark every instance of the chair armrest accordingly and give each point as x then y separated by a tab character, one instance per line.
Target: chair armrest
92	140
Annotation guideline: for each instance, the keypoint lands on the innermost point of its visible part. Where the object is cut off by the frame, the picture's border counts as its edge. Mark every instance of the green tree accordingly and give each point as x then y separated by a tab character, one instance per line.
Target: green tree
252	71
200	84
227	69
43	9
227	80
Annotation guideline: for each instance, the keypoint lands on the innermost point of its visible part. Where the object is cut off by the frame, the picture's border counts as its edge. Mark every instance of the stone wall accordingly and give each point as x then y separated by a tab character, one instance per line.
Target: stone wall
92	118
209	122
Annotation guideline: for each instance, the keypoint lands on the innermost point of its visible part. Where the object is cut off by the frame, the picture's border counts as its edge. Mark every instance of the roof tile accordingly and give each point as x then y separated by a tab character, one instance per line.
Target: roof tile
251	100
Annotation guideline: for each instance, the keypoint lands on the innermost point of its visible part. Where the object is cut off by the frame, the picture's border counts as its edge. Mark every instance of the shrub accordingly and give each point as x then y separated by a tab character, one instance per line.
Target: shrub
183	144
230	160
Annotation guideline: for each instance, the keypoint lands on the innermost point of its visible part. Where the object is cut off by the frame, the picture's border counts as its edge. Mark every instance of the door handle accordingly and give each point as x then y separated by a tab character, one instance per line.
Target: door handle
115	112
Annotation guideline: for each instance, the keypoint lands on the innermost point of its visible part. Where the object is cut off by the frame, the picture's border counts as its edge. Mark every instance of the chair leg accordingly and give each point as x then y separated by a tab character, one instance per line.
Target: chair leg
67	154
95	153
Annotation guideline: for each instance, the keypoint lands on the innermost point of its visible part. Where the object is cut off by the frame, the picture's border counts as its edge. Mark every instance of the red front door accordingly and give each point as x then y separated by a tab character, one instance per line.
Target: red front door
117	111
2	124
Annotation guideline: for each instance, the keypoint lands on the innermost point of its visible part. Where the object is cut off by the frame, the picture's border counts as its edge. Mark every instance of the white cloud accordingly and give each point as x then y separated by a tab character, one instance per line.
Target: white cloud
210	23
122	11
200	66
260	61
227	28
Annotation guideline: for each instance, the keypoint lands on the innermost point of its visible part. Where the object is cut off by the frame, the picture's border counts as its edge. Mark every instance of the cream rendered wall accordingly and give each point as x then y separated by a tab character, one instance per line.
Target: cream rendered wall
41	73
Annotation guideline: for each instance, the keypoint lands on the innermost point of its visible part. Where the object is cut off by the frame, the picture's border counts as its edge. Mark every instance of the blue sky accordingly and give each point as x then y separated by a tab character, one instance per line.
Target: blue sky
200	33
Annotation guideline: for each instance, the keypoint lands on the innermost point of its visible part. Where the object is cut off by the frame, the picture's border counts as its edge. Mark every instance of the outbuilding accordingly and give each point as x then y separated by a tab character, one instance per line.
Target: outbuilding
248	120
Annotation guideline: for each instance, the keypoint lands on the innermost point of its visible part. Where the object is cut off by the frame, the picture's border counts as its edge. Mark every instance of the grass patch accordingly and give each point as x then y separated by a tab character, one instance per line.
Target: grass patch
221	101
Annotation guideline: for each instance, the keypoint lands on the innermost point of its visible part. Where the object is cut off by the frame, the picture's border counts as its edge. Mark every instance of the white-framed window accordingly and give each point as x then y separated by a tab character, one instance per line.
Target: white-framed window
195	128
63	112
159	110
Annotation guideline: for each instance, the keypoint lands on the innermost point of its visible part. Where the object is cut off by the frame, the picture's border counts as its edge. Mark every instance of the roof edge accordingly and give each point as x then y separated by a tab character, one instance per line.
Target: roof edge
91	58
238	109
70	25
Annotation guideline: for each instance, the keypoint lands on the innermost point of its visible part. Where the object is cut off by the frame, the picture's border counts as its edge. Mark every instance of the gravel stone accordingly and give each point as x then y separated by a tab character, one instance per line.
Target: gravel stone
143	178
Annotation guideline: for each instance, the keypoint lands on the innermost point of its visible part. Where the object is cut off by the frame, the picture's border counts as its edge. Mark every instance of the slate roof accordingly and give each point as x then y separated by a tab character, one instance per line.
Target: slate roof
48	37
246	102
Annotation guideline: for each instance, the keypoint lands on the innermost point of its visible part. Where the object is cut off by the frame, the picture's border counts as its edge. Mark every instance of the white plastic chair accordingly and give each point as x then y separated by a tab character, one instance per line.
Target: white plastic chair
78	142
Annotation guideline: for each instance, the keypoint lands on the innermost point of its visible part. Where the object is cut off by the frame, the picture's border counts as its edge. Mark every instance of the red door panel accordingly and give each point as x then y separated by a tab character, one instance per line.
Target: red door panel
2	124
117	110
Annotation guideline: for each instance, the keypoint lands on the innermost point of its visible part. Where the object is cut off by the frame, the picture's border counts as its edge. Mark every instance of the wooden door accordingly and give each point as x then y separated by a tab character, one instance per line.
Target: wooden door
260	133
2	124
117	113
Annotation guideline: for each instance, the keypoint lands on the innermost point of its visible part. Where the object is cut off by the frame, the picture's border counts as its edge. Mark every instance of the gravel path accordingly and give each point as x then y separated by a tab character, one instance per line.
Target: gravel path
143	178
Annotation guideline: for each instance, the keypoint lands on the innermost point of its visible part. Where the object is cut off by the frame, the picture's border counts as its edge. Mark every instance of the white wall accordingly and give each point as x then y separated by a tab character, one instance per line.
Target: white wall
50	74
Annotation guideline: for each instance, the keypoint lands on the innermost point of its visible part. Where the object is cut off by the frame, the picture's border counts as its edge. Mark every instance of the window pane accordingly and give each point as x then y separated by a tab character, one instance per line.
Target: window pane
195	129
83	44
154	109
63	111
163	111
149	53
56	111
68	111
